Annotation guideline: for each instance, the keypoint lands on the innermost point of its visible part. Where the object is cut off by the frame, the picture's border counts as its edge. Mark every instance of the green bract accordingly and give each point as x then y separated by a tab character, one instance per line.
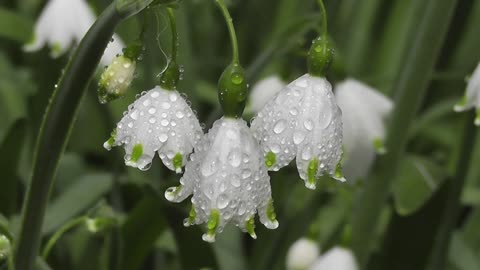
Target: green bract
233	88
319	57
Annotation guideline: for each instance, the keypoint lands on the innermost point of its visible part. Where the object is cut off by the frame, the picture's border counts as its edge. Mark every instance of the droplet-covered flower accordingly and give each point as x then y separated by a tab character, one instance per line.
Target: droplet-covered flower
302	254
471	98
159	120
228	180
263	91
337	258
63	22
302	121
364	113
116	79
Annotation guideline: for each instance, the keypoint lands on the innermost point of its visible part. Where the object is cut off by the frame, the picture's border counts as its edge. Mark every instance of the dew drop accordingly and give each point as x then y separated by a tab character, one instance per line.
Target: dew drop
235	158
179	114
298	137
166	105
222	201
152	120
279	126
163	137
173	97
152	110
308	124
164	122
134	115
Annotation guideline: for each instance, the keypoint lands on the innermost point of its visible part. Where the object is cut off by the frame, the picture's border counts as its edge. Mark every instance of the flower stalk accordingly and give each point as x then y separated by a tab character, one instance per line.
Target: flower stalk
56	126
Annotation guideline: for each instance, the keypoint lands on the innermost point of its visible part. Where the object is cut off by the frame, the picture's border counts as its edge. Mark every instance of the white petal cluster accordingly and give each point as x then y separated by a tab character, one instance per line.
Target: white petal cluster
302	254
472	95
302	121
263	91
158	121
63	23
364	112
337	258
228	180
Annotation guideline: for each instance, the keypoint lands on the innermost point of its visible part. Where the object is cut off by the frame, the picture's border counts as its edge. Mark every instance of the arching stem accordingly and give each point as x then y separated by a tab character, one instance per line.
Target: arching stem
324	28
231	29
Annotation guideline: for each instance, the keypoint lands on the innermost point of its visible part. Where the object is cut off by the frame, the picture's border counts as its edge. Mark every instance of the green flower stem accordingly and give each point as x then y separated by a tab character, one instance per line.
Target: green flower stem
410	89
324	19
56	125
53	240
231	30
450	215
173	25
171	75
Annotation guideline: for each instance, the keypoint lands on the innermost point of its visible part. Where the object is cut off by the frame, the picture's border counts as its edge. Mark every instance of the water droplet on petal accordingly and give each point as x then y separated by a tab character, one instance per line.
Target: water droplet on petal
280	126
163	137
298	137
235	158
308	124
134	115
222	201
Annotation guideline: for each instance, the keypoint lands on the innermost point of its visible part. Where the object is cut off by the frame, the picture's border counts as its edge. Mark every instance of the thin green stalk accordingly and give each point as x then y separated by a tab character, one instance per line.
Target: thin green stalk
173	26
410	90
56	125
56	236
450	215
231	30
324	19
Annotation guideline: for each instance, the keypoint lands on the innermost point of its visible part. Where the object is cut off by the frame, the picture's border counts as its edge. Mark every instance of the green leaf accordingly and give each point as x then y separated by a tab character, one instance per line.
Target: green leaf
140	231
81	195
11	149
417	180
14	26
461	255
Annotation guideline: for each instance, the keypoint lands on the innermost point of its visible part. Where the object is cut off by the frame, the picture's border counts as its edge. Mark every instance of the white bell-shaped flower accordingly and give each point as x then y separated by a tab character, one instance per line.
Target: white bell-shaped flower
302	254
263	91
116	79
337	258
158	121
228	180
302	121
364	113
63	23
471	99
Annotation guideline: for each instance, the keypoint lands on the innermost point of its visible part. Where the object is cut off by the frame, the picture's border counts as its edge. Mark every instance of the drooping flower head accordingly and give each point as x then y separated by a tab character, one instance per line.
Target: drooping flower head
471	98
63	23
228	180
263	91
337	258
364	113
160	121
118	76
302	121
302	254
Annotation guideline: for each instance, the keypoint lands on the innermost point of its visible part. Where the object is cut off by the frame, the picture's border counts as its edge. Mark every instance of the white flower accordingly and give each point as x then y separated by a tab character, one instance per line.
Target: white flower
302	120
263	91
63	23
472	95
302	254
228	179
5	247
364	112
337	258
116	79
159	120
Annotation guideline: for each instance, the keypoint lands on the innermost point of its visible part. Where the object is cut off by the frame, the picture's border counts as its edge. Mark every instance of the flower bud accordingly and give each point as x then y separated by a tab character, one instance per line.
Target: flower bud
5	247
302	254
337	258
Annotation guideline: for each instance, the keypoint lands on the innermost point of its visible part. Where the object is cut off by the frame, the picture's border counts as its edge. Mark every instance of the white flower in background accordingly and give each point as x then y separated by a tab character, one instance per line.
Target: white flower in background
337	258
302	254
364	112
228	179
158	121
302	121
63	23
5	247
472	95
263	91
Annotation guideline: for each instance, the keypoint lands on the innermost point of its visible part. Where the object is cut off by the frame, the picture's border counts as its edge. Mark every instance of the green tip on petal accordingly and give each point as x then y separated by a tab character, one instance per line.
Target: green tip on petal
250	226
178	162
379	146
270	159
271	211
111	141
338	175
192	216
137	152
172	192
477	118
212	226
56	49
312	169
460	106
5	246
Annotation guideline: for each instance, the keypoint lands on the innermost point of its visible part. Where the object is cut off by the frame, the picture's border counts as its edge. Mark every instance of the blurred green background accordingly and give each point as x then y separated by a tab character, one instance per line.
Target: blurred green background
372	38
